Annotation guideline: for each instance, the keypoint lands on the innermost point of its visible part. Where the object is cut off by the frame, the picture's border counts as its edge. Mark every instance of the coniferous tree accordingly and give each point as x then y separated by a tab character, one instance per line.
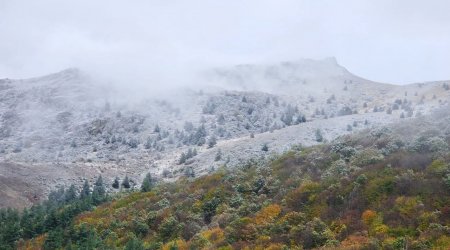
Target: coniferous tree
212	142
319	136
126	182
70	194
86	191
54	239
116	183
147	183
99	192
218	155
134	244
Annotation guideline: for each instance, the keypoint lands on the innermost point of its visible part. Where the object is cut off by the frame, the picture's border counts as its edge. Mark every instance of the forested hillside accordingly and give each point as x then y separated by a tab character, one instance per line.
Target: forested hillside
384	188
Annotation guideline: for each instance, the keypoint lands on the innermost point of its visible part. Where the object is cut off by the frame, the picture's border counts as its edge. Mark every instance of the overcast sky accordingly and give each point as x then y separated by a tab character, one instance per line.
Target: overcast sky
396	41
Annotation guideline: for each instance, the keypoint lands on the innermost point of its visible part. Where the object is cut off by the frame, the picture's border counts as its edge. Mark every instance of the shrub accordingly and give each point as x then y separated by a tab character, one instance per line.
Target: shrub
267	214
366	157
169	229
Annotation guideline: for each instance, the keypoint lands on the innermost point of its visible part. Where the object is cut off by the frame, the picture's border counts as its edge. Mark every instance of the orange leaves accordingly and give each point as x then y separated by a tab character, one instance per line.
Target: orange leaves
374	222
33	244
368	217
267	214
355	241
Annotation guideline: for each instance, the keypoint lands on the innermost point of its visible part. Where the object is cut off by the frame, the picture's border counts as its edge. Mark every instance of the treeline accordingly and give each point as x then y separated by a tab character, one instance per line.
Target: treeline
52	216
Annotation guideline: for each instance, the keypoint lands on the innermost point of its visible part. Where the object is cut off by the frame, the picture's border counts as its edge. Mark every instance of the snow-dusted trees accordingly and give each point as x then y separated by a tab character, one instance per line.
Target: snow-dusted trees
319	136
147	183
186	156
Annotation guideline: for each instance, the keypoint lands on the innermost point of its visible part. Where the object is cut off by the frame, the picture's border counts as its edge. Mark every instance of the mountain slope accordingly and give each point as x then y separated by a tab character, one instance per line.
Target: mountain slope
382	188
67	127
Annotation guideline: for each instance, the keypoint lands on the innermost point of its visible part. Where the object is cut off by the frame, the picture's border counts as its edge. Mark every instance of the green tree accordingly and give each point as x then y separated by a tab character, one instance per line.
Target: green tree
70	194
116	183
126	182
147	183
54	239
99	192
86	191
319	136
134	244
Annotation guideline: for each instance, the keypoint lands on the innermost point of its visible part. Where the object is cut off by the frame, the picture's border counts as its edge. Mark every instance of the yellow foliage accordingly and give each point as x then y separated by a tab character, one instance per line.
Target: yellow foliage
407	206
381	229
293	218
214	235
267	214
442	243
388	242
181	244
269	247
263	240
275	247
374	222
303	194
225	248
437	167
426	218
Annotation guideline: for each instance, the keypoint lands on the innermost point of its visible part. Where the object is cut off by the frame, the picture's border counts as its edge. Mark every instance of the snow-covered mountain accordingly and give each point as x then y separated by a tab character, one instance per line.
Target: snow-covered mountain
62	128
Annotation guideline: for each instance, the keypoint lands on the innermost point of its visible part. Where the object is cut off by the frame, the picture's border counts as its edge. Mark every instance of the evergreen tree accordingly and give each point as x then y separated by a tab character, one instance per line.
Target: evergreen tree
147	183
189	172
157	129
126	182
116	183
319	136
99	186
212	142
182	158
99	193
86	191
218	155
134	244
54	239
71	193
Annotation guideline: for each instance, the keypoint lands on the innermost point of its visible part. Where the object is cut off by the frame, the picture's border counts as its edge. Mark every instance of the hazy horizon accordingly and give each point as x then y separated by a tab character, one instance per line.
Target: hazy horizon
160	42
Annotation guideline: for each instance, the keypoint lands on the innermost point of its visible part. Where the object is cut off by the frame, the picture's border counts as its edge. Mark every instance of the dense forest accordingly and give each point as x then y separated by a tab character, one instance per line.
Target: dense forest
373	190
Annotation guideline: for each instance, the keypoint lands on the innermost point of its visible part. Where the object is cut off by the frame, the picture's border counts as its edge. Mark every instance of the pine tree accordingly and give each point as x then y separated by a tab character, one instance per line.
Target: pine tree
182	159
54	239
99	193
212	142
71	194
116	183
126	182
157	129
147	183
134	244
319	136
86	191
218	155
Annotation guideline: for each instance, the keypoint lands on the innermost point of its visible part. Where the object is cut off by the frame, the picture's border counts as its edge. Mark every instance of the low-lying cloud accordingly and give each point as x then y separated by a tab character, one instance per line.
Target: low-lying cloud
163	43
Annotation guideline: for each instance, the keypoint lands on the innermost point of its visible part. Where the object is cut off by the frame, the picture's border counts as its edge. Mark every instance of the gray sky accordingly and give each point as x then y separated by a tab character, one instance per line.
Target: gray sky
156	41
